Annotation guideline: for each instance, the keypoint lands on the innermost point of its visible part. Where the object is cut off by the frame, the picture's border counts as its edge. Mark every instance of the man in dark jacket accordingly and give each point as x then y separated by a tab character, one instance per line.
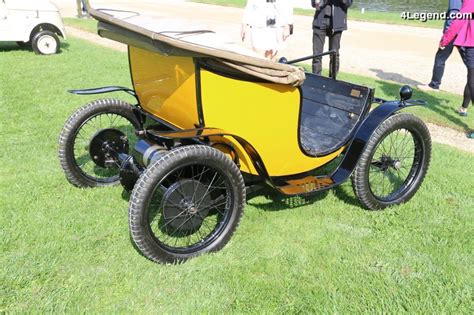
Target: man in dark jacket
330	19
443	54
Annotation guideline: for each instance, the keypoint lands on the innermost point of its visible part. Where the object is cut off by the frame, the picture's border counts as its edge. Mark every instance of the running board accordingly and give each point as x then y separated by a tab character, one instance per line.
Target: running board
306	185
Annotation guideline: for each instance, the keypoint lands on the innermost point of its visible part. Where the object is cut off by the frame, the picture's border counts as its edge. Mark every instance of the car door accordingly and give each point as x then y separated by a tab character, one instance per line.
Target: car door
16	16
3	20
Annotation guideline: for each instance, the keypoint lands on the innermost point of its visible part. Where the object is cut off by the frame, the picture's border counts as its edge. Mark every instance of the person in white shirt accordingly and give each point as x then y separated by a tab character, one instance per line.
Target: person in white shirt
269	23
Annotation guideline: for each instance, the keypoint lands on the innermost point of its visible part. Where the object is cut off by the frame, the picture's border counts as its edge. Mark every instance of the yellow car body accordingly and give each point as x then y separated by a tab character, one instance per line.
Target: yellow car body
266	115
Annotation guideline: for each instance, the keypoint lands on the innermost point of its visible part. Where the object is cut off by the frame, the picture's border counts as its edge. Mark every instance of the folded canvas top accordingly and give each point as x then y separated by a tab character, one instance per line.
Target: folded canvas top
174	37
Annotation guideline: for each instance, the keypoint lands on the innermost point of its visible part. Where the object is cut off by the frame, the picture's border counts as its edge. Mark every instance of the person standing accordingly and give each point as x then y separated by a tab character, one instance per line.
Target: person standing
269	23
330	20
462	32
82	7
443	54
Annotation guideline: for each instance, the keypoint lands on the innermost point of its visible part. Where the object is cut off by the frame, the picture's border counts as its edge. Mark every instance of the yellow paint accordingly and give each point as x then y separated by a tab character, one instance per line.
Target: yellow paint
264	114
165	86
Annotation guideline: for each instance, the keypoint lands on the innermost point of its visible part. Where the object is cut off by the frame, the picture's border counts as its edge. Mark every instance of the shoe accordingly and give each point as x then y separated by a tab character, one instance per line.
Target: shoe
462	111
470	135
433	86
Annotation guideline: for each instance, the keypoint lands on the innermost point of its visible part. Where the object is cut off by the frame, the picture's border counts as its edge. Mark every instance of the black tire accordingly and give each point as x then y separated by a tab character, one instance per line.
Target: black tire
89	120
401	167
157	195
45	43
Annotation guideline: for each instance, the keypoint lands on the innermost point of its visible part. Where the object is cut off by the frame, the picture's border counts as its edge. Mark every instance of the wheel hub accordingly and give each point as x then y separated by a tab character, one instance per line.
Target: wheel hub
47	45
386	162
185	206
397	165
106	145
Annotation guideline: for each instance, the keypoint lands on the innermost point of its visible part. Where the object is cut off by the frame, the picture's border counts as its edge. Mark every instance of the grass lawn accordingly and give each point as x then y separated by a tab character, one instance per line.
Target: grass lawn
89	25
68	249
354	14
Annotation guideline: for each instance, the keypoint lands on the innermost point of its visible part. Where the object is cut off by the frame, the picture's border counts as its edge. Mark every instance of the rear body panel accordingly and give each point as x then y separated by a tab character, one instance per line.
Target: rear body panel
165	86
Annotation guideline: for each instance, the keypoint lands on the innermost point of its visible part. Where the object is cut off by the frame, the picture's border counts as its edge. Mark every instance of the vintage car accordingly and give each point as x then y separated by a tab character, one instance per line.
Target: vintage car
212	120
35	23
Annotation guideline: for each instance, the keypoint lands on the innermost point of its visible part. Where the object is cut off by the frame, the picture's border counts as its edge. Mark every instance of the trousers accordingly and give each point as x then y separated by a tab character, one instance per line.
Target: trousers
319	38
440	61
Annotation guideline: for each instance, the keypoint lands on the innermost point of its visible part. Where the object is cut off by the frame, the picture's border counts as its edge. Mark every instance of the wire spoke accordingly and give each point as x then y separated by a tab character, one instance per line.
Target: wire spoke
390	169
205	196
207	190
82	140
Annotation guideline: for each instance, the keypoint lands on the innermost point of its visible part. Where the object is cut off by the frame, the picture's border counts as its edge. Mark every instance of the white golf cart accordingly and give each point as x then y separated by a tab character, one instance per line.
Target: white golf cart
32	22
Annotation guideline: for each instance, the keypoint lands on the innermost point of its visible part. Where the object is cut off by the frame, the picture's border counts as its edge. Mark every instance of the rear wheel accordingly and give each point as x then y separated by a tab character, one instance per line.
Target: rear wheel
187	203
102	122
394	162
45	43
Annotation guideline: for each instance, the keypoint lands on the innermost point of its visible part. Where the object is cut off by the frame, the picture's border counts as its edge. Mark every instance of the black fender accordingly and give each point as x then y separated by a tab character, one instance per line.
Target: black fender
363	134
105	89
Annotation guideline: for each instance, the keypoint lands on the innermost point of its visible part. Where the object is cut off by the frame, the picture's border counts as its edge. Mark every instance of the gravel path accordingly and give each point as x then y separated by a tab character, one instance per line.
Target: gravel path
75	32
451	137
439	134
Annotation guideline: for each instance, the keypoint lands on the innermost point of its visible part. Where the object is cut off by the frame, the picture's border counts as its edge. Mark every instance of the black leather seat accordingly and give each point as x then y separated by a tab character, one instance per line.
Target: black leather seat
330	112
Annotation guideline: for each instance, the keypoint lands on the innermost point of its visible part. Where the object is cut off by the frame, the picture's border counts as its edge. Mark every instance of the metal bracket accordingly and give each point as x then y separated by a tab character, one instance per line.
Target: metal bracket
331	52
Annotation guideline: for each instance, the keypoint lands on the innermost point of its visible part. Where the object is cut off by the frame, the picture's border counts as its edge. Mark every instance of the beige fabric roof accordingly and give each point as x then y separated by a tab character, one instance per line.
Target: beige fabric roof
179	38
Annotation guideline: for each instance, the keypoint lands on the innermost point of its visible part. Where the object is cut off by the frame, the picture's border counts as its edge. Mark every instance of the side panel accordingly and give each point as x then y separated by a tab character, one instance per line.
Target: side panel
165	86
15	24
264	114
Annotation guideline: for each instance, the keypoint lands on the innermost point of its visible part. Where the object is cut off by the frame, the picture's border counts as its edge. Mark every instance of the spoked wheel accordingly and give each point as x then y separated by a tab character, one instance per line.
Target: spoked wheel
394	163
89	138
187	203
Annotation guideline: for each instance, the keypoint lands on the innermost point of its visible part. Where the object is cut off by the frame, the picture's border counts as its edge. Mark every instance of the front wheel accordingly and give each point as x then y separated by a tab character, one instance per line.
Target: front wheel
187	203
45	43
394	162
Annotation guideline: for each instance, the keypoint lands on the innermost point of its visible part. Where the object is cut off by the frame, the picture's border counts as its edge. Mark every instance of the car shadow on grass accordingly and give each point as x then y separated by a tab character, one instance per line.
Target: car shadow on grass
14	47
279	202
396	77
344	196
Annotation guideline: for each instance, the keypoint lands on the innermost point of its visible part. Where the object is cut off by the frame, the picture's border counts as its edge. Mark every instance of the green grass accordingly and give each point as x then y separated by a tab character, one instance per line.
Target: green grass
353	14
68	249
89	25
